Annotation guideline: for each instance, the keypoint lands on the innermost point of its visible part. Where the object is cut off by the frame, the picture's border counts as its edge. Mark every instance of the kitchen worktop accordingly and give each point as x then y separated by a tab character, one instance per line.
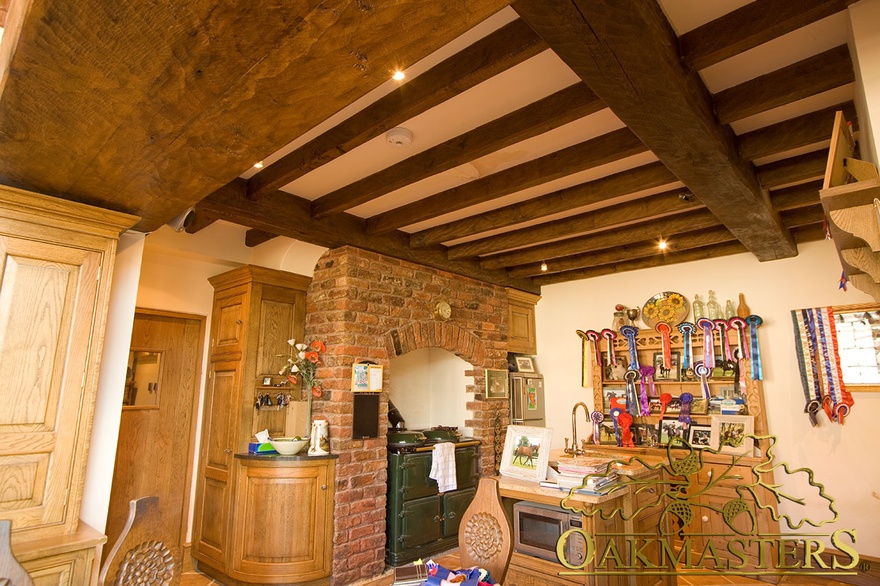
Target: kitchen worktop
281	458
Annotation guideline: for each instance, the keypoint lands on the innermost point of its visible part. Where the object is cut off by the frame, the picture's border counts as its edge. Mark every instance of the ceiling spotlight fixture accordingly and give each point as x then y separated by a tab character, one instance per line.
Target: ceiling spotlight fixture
399	136
398	75
662	244
544	266
258	165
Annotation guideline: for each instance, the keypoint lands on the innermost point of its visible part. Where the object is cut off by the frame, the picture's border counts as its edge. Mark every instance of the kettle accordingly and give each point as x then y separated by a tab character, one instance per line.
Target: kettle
319	438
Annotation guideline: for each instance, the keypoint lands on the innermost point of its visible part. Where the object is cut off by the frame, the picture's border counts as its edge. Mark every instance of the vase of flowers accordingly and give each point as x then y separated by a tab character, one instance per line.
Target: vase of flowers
302	366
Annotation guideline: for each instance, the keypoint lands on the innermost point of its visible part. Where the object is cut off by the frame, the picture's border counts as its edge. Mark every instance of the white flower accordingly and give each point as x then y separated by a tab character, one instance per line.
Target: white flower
301	355
301	347
294	368
292	342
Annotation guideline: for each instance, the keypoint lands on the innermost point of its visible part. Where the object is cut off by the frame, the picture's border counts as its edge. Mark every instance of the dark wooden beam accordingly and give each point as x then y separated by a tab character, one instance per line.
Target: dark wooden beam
644	177
506	47
794	169
560	108
752	25
626	53
254	237
287	215
654	230
787	135
201	221
604	149
798	196
803	79
632	212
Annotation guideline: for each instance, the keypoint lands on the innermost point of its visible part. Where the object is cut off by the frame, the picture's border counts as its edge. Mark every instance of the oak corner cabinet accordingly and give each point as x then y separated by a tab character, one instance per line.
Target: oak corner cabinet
521	329
56	264
255	312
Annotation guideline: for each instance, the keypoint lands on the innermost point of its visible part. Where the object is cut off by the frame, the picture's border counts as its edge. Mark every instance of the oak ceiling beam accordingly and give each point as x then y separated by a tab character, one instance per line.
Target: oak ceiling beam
627	54
631	181
641	210
601	150
749	26
254	237
797	196
287	215
201	221
562	107
501	50
793	133
800	234
819	73
654	230
794	169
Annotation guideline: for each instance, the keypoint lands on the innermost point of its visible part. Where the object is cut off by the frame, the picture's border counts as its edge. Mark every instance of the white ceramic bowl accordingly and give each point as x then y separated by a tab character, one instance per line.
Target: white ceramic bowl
288	446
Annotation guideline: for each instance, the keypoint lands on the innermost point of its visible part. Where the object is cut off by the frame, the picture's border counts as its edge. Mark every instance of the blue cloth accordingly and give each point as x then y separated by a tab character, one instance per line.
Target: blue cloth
472	577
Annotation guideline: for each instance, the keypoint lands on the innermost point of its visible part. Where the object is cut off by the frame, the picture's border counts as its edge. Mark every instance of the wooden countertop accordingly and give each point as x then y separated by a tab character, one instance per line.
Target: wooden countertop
282	460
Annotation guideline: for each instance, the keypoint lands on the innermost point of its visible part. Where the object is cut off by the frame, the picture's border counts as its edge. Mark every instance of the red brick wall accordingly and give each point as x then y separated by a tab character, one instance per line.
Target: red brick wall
366	306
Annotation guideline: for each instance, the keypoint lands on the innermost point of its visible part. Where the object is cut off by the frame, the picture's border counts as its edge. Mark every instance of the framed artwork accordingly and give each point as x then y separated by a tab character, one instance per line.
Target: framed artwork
700	406
731	434
267	381
700	436
663	373
607	437
524	364
366	377
645	434
688	375
497	384
526	452
670	429
674	406
614	371
611	393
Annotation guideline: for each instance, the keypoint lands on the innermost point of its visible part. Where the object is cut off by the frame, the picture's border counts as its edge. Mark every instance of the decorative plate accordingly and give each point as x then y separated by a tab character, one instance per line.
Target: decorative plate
668	307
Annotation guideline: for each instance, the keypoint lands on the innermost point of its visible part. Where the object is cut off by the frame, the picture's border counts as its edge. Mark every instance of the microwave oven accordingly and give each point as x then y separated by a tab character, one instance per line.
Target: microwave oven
537	528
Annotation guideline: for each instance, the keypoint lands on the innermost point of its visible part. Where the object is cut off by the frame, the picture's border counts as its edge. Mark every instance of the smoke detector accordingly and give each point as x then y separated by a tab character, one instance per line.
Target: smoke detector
399	137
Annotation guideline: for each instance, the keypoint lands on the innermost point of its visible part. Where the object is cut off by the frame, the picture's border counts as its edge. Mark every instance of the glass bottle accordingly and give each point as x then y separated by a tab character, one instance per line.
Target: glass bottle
618	321
713	310
729	311
699	308
743	310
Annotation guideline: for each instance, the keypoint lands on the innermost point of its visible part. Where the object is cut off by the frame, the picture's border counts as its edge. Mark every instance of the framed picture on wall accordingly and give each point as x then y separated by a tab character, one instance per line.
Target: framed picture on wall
732	434
497	384
663	373
526	452
524	364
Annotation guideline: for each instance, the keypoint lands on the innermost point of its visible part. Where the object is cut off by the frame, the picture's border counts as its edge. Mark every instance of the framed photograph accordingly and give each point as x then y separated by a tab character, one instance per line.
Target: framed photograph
700	436
663	373
699	406
645	434
267	381
673	407
672	428
613	397
607	437
731	434
688	375
614	371
526	452
497	384
524	364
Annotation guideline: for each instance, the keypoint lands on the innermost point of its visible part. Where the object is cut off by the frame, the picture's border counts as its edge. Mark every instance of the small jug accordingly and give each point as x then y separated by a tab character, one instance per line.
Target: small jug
320	438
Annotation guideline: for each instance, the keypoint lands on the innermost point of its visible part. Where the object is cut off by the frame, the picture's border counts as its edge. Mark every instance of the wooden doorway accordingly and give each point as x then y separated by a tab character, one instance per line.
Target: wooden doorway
157	431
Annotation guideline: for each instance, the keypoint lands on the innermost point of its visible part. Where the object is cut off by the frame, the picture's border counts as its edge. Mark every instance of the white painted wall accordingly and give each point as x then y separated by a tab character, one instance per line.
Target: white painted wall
864	44
841	456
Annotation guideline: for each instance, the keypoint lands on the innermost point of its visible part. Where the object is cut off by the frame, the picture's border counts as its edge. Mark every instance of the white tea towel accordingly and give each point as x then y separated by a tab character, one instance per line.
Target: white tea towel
443	466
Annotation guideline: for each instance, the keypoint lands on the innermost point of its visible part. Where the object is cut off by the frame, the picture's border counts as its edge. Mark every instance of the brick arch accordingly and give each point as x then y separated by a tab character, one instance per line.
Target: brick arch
431	334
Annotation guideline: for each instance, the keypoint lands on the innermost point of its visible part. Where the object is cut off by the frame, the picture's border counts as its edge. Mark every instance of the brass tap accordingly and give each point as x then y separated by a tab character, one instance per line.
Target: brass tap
575	449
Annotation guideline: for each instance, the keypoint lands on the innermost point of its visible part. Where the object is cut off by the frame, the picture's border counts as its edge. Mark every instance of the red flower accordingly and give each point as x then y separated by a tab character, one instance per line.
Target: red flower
318	346
317	391
312	357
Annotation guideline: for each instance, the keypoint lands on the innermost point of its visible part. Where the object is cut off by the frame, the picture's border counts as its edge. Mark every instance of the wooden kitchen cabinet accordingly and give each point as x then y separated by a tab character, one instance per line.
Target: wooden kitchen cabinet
521	331
56	264
255	311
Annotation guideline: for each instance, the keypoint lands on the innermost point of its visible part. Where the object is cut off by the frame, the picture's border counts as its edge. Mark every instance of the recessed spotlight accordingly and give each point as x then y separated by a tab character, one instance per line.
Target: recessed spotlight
544	266
398	75
662	244
258	165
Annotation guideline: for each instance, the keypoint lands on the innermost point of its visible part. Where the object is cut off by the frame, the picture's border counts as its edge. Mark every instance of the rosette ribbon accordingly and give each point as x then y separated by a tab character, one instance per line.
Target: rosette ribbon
594	336
722	325
632	400
597	418
625	421
708	326
754	349
687	330
647	381
739	324
702	371
610	336
665	399
663	329
816	342
684	415
630	333
615	413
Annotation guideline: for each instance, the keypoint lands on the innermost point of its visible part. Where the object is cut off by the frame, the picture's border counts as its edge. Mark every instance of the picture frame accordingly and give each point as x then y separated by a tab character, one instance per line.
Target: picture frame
366	377
645	434
731	434
607	437
609	393
700	436
699	406
526	452
661	372
667	429
672	408
497	384
524	364
267	381
611	372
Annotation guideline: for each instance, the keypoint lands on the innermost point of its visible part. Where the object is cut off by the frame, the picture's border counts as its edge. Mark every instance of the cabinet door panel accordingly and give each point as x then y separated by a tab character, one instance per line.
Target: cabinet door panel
228	322
48	299
454	506
409	476
419	522
466	463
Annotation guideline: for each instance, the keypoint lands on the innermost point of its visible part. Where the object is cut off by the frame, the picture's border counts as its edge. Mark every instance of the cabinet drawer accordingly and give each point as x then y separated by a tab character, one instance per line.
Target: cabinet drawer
734	476
67	569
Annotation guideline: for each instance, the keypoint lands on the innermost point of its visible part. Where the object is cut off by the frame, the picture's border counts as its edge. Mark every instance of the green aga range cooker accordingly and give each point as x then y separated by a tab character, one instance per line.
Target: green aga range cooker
420	521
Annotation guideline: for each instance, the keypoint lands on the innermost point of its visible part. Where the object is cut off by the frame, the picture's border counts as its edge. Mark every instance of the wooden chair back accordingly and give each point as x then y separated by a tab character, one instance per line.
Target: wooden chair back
484	536
137	556
11	572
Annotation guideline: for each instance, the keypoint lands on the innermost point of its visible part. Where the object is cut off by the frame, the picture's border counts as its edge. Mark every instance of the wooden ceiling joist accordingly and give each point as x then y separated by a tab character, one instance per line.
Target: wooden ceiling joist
644	177
560	108
627	54
794	169
749	26
506	47
607	148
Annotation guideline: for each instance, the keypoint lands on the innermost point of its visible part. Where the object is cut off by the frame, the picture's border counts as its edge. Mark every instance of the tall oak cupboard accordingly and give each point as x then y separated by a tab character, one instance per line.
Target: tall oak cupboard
56	262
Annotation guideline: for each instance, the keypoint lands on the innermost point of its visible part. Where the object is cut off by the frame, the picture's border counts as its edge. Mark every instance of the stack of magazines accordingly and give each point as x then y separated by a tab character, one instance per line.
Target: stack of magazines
590	473
410	574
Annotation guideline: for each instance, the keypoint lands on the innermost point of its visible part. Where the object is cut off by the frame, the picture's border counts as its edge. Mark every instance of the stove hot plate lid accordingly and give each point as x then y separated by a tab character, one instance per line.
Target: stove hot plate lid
442	432
406	438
